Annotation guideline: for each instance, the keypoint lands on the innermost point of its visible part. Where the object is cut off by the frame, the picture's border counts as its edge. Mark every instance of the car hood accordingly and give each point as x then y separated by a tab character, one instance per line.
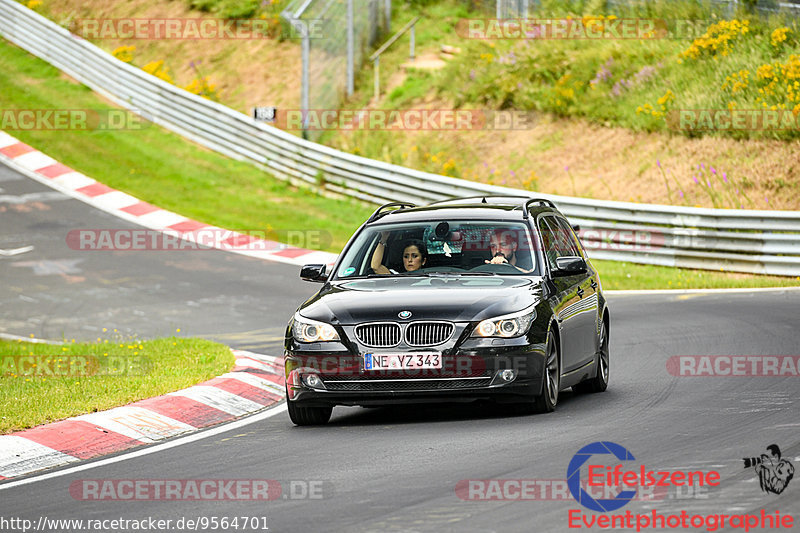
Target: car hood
453	298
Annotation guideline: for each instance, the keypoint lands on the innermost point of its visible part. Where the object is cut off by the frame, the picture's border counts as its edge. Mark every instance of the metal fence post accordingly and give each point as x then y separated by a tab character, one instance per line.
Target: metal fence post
350	49
388	10
305	90
377	86
413	39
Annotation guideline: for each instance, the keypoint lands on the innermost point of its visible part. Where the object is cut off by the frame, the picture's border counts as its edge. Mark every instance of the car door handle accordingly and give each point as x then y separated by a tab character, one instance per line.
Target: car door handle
580	292
594	284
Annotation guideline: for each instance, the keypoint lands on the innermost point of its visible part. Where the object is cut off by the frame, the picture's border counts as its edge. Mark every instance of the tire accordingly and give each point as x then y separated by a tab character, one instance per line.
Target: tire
308	416
599	382
547	400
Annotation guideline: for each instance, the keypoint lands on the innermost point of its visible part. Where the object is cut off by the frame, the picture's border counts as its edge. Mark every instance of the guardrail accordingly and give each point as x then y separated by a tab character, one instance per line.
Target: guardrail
764	242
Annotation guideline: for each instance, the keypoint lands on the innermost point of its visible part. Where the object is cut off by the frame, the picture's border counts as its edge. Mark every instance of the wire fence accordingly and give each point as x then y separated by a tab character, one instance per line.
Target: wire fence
336	35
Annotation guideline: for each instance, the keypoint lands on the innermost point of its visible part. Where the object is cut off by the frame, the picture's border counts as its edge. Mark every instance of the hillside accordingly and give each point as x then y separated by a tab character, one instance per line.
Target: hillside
589	144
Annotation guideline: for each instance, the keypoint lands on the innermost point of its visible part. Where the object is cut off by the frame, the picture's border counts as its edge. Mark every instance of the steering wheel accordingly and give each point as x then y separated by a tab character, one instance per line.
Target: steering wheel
498	268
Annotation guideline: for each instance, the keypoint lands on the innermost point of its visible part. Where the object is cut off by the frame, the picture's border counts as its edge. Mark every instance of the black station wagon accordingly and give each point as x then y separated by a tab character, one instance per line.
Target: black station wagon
487	298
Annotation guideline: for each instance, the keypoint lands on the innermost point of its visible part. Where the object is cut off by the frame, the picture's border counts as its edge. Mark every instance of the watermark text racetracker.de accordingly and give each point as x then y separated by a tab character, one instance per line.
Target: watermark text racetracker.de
71	120
590	28
199	489
68	365
192	29
204	238
403	119
557	490
734	365
733	120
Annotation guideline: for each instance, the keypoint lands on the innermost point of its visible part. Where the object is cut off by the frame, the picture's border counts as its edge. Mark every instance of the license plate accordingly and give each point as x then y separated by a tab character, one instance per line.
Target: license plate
405	361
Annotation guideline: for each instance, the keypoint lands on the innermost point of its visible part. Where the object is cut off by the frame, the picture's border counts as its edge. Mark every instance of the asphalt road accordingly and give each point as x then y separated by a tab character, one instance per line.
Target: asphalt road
398	469
55	291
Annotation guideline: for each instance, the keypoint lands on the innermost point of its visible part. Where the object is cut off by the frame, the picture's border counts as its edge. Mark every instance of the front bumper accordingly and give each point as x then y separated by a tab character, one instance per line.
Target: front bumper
467	375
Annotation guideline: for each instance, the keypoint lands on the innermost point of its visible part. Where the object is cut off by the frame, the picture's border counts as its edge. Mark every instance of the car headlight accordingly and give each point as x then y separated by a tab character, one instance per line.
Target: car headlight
506	326
306	330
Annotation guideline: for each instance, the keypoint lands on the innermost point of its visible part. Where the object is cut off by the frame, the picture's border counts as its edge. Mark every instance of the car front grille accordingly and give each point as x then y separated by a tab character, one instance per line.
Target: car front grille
407	385
379	335
388	334
428	333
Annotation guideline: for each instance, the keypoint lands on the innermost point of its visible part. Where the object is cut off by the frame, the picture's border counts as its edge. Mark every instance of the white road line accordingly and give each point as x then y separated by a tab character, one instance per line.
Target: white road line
697	291
151	449
15	251
10	337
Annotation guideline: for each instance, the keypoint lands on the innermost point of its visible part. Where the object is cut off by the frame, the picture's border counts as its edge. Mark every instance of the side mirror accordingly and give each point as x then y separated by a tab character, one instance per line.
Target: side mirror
314	273
569	265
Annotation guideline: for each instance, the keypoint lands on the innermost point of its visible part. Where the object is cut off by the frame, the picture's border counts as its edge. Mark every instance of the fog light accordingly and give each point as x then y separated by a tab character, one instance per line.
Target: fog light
508	375
313	381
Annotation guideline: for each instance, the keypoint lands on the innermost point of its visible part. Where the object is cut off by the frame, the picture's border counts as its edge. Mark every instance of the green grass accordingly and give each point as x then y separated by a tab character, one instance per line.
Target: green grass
614	81
166	170
171	172
636	84
616	275
97	376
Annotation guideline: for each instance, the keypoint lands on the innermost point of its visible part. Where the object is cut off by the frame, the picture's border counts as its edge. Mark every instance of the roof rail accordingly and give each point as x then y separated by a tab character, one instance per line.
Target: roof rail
380	211
544	201
528	200
482	196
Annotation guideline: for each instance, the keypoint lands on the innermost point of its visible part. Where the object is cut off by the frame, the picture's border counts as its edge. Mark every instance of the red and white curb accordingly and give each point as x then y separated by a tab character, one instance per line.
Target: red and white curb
255	383
44	169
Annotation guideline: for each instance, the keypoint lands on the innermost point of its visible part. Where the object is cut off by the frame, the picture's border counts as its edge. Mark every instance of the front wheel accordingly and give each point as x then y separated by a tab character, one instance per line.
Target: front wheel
547	400
599	383
308	416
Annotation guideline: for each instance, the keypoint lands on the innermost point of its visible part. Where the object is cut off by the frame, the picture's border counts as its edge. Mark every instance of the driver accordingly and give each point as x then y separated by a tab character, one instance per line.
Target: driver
503	246
415	255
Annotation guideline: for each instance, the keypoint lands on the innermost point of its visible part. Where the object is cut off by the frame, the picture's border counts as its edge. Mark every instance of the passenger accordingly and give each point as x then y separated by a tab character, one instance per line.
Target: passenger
415	255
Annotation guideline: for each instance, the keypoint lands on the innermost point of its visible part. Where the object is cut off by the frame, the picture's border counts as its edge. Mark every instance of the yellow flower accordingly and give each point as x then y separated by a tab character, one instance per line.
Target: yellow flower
668	97
157	69
717	39
765	72
779	36
124	53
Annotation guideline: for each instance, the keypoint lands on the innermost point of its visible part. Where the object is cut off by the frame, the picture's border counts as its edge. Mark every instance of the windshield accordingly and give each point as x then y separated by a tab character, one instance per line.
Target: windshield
477	248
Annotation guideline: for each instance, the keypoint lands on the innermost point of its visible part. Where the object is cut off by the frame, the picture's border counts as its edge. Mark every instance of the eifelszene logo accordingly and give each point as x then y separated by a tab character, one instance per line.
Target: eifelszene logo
617	476
574	476
774	473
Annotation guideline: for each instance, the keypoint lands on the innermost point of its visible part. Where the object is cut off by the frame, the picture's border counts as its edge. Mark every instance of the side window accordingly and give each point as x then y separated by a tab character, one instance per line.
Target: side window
571	245
549	240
